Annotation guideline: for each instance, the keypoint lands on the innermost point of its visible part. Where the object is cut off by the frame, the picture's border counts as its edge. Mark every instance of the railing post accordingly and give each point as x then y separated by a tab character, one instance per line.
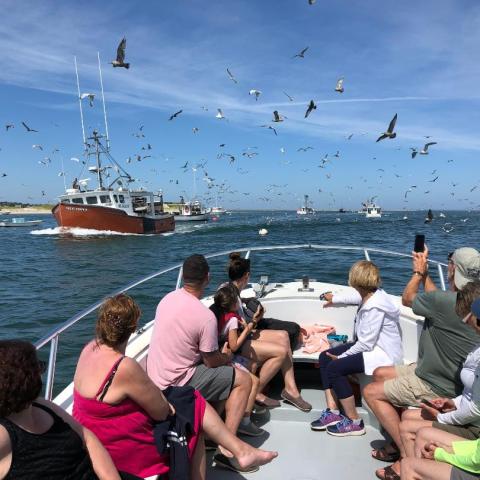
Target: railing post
179	278
442	278
367	255
52	360
247	255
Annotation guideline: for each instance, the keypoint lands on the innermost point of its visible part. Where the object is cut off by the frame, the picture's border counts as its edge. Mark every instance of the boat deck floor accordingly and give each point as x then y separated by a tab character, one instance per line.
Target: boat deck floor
304	454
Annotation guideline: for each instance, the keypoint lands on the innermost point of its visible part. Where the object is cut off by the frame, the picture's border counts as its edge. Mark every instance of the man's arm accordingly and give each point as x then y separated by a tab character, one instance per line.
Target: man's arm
420	276
216	358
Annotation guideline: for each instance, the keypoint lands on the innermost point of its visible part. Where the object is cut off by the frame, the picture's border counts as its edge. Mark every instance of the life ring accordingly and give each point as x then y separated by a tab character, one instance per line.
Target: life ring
187	209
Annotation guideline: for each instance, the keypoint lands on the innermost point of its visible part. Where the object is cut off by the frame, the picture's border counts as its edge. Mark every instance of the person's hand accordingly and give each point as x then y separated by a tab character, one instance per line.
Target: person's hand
429	413
242	323
332	356
444	404
328	296
428	450
171	409
258	315
420	263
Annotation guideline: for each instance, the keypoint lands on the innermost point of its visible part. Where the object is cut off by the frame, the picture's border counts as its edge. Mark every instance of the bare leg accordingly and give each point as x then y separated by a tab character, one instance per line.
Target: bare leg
252	396
245	454
199	461
381	374
270	354
330	399
348	405
431	434
422	469
385	412
409	426
237	400
280	338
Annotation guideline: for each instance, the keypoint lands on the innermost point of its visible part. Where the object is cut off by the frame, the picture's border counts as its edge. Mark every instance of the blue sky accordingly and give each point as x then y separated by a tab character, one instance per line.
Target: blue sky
417	59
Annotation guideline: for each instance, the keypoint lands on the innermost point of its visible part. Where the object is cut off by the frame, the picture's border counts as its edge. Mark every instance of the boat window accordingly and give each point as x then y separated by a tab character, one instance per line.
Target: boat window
77	200
65	200
115	198
92	200
122	198
104	199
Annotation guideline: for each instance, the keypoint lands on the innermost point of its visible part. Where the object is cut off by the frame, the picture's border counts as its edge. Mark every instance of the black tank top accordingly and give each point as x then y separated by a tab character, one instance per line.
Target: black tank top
58	454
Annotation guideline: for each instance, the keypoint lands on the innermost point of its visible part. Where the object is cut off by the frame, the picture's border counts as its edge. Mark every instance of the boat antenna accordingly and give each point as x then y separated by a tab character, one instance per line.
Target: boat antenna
103	101
63	175
194	169
80	104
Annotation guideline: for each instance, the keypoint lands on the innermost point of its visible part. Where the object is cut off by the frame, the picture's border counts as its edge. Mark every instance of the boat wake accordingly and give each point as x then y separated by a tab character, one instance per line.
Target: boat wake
82	232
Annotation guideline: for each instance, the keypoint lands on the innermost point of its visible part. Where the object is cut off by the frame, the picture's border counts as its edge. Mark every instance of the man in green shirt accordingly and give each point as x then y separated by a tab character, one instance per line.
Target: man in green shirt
444	343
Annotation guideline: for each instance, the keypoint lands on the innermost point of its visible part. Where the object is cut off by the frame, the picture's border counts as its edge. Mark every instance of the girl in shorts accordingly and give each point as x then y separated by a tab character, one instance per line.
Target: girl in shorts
229	323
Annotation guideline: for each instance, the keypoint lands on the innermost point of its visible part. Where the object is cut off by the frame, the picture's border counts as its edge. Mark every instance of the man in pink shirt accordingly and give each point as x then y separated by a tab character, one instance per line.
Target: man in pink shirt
184	347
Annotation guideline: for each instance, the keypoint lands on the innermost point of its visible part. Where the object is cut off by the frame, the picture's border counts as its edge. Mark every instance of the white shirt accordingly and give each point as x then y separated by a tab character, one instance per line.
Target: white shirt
377	329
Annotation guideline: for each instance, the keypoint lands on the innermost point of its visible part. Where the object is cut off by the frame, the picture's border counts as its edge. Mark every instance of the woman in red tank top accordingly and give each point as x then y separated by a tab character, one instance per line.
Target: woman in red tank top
114	397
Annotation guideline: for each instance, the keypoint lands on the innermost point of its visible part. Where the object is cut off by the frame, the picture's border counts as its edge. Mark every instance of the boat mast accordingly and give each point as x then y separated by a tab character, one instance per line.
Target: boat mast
80	104
103	101
194	169
96	138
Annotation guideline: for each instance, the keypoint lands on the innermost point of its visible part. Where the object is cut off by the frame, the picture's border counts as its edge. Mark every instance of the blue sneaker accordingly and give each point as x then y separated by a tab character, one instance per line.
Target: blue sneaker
326	419
346	428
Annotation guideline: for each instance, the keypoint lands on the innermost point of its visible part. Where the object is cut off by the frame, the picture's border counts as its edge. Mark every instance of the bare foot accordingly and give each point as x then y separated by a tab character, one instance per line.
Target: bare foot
251	457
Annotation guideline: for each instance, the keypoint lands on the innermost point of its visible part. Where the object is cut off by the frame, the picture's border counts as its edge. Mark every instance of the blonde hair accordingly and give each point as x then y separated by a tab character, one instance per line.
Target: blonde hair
117	320
364	275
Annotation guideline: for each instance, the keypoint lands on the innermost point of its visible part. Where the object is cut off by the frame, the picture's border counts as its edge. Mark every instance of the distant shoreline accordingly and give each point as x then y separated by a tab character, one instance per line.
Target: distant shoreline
25	211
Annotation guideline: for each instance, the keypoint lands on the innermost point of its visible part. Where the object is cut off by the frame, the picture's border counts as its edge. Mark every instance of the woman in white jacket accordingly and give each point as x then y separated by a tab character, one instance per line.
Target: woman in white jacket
377	341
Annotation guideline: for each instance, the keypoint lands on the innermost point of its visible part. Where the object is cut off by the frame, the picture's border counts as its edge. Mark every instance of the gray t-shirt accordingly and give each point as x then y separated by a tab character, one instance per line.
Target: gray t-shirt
444	343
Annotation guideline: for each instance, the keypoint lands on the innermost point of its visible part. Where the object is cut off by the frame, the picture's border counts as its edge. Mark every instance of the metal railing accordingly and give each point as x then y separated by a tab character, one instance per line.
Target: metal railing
53	336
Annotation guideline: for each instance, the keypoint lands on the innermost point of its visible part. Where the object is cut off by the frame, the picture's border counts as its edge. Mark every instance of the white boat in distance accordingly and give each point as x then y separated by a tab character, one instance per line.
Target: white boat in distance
20	222
371	209
306	209
192	212
217	211
302	452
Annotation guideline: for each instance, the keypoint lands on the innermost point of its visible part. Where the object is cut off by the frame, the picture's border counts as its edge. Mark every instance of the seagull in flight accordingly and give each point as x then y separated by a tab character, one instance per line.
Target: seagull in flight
311	2
175	115
120	60
28	128
277	117
255	92
231	77
220	114
414	152
90	97
288	96
339	87
310	108
8	126
389	133
434	180
37	147
270	128
304	149
302	53
424	150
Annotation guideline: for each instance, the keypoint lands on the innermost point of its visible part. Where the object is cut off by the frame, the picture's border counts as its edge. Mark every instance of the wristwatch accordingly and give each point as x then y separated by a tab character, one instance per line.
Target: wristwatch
420	274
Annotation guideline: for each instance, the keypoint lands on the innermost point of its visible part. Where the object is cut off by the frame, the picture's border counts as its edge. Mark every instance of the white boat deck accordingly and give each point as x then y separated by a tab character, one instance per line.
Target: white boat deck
304	454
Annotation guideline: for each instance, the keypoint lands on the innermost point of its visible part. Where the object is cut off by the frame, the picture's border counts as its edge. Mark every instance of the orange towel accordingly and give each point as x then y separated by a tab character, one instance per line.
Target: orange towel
314	338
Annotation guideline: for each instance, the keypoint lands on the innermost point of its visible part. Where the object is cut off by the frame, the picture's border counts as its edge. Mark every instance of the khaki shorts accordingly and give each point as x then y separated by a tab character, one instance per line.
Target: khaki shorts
407	390
469	432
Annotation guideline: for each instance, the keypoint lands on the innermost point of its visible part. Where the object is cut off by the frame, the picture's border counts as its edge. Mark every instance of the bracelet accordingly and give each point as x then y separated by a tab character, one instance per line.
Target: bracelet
420	274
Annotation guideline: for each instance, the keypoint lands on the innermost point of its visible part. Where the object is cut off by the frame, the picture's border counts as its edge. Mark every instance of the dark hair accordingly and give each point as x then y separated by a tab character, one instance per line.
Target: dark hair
237	266
465	297
195	269
20	376
117	320
223	301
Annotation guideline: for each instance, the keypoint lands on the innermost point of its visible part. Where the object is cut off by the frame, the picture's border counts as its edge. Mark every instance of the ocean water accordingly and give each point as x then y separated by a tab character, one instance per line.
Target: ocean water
47	277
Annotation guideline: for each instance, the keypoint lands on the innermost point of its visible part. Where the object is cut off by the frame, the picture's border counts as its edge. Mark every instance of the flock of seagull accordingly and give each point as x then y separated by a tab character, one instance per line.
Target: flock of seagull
224	187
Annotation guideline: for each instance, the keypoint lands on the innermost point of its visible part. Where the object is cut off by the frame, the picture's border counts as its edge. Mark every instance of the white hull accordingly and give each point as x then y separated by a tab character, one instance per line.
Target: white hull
217	211
203	217
28	223
373	215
